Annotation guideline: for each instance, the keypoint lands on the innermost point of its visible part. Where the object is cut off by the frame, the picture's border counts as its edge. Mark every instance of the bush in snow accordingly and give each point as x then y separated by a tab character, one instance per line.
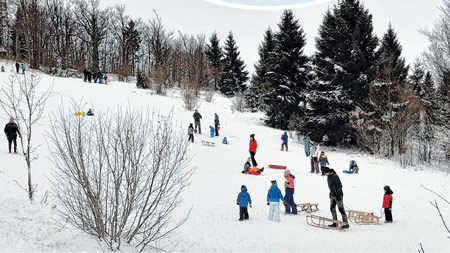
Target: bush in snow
119	176
209	95
238	102
191	102
142	81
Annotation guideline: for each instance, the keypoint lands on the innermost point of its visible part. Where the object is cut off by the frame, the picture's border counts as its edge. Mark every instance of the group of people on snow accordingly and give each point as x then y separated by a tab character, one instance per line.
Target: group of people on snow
214	131
20	67
89	76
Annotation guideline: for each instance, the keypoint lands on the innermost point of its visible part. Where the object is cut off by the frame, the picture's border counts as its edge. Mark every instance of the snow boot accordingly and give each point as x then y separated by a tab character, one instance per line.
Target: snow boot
262	169
332	225
346	226
240	219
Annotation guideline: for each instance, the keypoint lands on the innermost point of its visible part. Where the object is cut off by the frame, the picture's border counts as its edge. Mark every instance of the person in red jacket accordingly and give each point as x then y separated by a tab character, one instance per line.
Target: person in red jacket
253	146
387	204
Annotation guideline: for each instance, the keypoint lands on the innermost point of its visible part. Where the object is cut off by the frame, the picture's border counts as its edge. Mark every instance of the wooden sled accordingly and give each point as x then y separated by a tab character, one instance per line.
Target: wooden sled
277	167
308	207
208	144
363	218
322	222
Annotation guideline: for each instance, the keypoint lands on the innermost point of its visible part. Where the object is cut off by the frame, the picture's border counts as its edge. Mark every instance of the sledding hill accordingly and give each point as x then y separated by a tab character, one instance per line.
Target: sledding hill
213	224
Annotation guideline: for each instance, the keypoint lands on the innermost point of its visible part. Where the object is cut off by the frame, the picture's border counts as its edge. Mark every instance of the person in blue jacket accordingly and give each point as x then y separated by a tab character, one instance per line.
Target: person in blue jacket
243	200
211	131
273	200
284	138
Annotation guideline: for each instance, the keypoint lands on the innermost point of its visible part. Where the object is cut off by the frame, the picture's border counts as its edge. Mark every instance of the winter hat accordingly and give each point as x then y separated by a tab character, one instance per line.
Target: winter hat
248	160
388	189
252	136
243	188
352	162
287	172
274	182
326	170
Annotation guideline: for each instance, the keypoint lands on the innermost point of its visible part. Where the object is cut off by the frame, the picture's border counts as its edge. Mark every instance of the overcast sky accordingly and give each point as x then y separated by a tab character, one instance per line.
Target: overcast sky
248	26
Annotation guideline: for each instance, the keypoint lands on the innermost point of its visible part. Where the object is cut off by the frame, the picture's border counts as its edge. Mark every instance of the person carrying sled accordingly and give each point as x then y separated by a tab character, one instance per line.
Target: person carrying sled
197	117
387	204
243	200
273	200
353	167
289	192
336	195
191	132
216	123
315	157
323	161
11	132
253	146
284	138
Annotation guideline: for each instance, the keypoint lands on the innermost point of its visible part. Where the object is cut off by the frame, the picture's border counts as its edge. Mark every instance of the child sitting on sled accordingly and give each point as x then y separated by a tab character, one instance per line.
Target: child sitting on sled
353	167
251	171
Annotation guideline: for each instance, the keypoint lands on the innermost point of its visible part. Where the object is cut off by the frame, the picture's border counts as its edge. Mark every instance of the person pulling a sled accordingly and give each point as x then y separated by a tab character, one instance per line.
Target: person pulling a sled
387	204
284	138
289	192
11	131
336	195
243	200
273	200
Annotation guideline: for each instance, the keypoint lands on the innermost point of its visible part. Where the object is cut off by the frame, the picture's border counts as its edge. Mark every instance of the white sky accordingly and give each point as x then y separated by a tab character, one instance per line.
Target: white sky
248	26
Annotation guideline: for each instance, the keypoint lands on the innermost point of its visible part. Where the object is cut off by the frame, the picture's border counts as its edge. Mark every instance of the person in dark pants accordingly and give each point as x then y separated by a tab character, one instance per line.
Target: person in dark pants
89	76
197	117
191	132
216	123
284	138
387	204
95	76
253	147
243	200
17	67
315	150
289	192
85	75
336	195
11	131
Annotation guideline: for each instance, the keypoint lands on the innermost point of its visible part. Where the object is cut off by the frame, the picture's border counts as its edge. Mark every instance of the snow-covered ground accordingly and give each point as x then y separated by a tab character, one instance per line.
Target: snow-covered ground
213	224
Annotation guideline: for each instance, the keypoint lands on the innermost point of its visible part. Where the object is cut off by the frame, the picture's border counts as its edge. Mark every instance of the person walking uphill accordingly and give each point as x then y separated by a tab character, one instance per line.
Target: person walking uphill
191	133
197	117
336	195
243	200
216	123
289	192
387	204
284	138
252	150
315	157
11	131
273	200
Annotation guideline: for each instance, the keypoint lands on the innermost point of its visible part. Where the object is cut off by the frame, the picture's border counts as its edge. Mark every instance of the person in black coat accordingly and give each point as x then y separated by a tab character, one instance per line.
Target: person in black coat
17	67
85	75
336	195
11	131
216	123
197	117
89	76
95	76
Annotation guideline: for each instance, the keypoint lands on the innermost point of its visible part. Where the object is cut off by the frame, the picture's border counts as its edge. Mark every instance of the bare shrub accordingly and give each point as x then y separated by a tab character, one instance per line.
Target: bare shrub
238	103
209	94
190	100
119	176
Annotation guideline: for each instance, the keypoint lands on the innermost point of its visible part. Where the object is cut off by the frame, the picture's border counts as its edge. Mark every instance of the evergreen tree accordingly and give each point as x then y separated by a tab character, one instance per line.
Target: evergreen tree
345	63
258	83
233	76
288	76
417	77
215	55
132	43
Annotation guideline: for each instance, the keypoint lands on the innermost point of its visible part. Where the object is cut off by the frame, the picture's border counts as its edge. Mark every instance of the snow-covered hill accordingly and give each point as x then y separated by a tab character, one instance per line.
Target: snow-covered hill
213	224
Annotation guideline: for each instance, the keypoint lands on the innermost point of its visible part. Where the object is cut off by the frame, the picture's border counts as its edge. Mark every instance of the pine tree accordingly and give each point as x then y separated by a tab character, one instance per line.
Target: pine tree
345	67
417	77
215	55
288	76
233	76
258	83
132	43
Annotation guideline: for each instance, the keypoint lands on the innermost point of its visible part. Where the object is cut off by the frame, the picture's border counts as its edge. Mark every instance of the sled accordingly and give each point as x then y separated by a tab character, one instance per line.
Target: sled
308	207
261	171
277	167
208	144
322	222
79	113
348	172
307	150
363	218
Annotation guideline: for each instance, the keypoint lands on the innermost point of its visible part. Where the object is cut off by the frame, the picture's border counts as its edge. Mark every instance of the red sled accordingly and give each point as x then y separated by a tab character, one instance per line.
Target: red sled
277	167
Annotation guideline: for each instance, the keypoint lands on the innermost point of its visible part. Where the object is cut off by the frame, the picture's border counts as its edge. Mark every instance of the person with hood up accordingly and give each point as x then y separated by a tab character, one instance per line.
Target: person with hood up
197	117
387	204
284	138
191	133
323	161
273	200
243	200
252	149
336	195
289	192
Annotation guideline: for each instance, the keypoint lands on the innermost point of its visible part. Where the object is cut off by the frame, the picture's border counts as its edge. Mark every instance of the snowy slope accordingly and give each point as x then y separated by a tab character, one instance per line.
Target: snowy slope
213	224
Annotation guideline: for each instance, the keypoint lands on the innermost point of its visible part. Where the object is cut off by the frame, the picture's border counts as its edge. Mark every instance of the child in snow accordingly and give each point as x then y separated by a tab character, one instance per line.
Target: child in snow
211	131
289	192
254	171
191	132
106	78
225	140
314	156
353	167
284	138
323	161
243	200
247	166
387	204
273	200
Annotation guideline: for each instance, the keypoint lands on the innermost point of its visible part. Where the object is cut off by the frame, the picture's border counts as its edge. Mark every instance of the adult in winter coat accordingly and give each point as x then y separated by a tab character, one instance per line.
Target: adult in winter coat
336	195
315	151
284	138
95	76
387	204
216	123
197	117
273	200
191	133
89	76
85	75
252	149
11	132
243	200
289	192
17	67
323	161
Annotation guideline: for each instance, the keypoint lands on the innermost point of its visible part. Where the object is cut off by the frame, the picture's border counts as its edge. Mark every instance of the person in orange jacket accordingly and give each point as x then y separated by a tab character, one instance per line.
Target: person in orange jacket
253	146
387	204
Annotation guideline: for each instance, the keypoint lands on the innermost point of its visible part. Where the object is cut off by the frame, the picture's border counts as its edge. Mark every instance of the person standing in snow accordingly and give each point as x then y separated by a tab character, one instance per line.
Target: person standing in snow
243	200
85	75
289	192
191	132
216	123
253	146
336	195
387	204
95	76
105	77
284	138
17	67
11	132
23	69
273	200
323	161
89	76
197	117
315	157
3	68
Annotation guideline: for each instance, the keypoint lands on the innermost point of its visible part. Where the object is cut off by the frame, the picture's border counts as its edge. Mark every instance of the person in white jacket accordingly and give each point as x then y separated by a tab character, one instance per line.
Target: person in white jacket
314	154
